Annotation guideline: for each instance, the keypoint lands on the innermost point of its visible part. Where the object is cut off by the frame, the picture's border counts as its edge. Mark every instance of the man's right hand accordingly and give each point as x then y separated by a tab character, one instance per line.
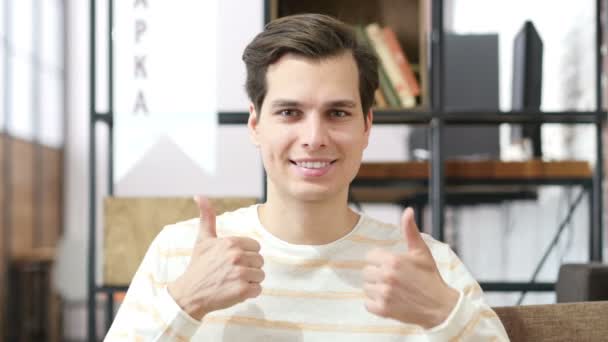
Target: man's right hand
222	271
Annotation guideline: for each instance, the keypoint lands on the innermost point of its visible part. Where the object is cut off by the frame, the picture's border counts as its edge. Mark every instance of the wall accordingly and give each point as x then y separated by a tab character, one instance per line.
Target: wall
487	236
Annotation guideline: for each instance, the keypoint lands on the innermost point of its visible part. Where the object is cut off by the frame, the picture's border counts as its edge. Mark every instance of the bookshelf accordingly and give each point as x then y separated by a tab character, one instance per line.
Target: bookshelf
418	22
419	28
407	19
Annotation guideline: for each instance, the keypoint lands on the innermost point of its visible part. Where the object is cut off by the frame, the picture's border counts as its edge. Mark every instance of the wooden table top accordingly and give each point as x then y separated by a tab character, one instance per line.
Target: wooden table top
461	176
486	169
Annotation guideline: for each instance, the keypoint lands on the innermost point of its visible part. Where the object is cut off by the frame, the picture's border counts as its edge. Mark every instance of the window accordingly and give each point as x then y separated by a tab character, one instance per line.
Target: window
32	77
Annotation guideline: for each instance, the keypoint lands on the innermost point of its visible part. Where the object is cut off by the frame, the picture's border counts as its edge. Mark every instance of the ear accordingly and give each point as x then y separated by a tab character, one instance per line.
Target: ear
252	125
369	118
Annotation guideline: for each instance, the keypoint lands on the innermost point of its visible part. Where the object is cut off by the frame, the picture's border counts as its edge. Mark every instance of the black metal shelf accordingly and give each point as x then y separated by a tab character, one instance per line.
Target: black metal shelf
232	118
517	286
522	117
421	117
385	116
436	116
486	286
395	182
108	118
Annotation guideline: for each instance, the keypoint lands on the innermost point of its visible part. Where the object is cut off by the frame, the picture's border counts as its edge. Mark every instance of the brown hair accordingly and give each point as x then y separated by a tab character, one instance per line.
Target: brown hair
315	36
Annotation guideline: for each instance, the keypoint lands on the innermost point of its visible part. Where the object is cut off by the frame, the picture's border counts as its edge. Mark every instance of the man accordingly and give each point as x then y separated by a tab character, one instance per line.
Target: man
303	265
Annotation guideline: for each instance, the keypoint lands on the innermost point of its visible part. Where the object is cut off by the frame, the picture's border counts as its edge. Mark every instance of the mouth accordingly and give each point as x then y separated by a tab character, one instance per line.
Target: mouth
313	168
312	164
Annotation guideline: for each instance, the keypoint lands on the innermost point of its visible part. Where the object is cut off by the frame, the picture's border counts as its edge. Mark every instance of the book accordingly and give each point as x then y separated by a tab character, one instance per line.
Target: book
387	90
374	32
380	102
401	58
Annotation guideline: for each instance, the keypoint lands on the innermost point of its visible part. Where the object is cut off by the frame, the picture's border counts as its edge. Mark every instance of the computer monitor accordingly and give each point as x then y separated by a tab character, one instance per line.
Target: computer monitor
471	85
527	83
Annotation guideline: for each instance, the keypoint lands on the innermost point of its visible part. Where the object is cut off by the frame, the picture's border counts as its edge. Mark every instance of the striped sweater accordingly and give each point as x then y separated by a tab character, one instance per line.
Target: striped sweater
310	293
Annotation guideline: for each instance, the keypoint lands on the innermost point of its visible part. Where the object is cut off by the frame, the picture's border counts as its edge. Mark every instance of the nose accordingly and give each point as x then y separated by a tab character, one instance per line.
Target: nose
315	133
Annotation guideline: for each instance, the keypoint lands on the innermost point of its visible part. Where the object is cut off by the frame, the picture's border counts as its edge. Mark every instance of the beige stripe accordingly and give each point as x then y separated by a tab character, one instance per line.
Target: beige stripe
317	263
156	283
143	308
116	335
250	233
430	241
452	265
152	311
175	252
365	239
285	293
472	324
384	225
341	264
472	290
305	294
271	324
313	294
314	263
172	333
123	335
186	252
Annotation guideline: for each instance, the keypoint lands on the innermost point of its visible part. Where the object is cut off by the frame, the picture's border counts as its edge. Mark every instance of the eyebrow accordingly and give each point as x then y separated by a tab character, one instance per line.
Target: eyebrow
284	103
291	103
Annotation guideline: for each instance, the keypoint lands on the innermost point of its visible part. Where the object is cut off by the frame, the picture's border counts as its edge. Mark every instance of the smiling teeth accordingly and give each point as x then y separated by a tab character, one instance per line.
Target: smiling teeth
313	165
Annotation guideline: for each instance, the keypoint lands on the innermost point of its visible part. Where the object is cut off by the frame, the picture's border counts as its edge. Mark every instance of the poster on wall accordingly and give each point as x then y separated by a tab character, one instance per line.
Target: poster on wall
165	96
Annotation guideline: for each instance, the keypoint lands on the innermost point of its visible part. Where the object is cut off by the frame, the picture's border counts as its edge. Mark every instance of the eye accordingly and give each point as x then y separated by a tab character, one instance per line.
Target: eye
339	114
288	112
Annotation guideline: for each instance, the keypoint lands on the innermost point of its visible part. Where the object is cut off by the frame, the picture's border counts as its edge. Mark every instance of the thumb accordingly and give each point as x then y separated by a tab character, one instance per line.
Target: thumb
411	232
206	224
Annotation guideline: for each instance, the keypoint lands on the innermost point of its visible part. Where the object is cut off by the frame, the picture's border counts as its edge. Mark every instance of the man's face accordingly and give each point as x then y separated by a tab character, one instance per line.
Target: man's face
311	130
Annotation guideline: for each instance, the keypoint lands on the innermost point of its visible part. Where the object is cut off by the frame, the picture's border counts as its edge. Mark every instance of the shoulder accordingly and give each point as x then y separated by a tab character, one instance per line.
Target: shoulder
381	230
374	233
449	265
241	215
376	228
441	251
240	222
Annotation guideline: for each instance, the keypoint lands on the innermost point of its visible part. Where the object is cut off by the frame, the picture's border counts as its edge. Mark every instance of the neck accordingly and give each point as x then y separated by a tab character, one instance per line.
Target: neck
310	222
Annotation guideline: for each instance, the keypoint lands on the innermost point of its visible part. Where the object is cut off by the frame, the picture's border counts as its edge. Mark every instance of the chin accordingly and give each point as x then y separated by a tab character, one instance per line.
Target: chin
313	193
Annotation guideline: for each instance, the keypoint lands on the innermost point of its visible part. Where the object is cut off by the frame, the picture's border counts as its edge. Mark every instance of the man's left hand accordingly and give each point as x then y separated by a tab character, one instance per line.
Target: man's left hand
407	287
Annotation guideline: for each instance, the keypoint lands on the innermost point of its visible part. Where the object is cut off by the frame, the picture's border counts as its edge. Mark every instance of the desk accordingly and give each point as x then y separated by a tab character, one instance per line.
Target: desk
467	182
475	182
478	170
396	182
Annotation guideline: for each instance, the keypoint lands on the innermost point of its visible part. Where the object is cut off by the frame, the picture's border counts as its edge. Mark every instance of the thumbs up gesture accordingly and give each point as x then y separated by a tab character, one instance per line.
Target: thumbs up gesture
222	271
407	287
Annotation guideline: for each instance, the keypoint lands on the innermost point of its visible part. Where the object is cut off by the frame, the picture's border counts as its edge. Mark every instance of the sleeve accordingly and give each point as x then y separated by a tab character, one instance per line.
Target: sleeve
471	318
148	312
